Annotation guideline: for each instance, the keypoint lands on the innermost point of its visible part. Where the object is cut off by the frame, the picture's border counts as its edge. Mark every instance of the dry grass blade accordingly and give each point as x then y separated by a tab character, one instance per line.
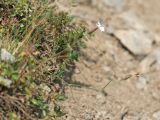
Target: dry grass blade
11	103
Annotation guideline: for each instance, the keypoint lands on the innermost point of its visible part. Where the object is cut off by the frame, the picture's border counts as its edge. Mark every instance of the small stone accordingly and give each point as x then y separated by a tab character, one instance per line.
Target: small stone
5	82
101	114
156	115
77	71
142	83
88	116
57	87
45	88
7	56
136	41
155	95
101	98
51	106
106	68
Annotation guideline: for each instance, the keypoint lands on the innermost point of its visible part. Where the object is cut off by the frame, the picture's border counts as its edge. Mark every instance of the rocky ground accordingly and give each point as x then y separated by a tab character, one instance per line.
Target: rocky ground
127	54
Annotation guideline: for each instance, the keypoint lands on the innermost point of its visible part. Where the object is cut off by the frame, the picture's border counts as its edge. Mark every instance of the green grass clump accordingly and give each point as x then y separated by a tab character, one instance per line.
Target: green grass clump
44	42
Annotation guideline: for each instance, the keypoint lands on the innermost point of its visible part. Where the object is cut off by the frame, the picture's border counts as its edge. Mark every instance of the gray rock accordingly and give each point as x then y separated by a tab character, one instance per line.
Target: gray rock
114	3
6	56
133	33
131	21
136	41
156	115
117	4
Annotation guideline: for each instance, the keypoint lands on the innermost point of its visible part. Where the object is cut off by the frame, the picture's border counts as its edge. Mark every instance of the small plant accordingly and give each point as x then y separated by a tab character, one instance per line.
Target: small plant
13	116
39	106
58	111
44	42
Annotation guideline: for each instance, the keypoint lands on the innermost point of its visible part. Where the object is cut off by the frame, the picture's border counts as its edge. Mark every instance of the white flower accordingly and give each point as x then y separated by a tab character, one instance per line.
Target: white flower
101	26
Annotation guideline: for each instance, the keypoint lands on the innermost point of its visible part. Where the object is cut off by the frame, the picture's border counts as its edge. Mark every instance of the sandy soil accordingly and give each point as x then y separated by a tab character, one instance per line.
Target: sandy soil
105	59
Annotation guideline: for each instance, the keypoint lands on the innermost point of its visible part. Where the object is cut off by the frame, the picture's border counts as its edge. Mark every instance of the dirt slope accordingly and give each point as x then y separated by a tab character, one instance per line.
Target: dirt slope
136	97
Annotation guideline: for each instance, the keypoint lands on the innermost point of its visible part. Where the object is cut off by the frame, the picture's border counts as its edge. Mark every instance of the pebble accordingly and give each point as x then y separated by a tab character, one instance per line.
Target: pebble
5	82
45	88
101	98
6	56
142	83
106	68
100	114
156	115
88	116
